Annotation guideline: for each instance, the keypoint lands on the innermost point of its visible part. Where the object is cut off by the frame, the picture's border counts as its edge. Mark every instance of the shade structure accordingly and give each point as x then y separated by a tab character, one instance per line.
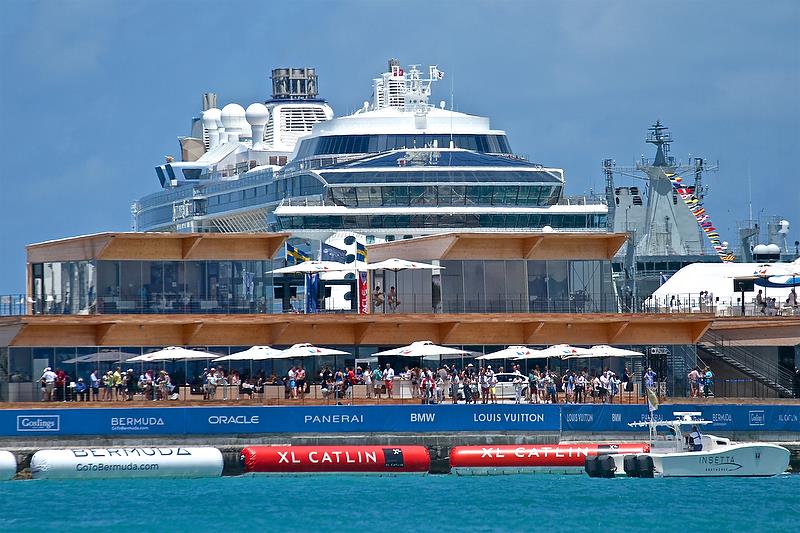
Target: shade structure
559	350
423	349
603	351
313	267
111	356
174	353
396	265
512	352
778	269
306	350
256	353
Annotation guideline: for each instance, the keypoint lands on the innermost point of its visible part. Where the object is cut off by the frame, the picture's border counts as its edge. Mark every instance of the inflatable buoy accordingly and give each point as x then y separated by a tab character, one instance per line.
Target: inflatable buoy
555	458
8	465
126	462
336	459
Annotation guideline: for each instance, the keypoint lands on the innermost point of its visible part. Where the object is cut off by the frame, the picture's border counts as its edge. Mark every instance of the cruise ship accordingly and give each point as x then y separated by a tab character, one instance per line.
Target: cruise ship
397	168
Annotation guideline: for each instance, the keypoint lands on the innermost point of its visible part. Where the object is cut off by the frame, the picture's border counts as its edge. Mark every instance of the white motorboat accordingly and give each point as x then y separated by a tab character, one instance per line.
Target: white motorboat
685	451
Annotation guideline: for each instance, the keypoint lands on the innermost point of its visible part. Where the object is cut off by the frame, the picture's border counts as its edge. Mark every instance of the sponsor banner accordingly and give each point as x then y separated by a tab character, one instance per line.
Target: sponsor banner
264	420
415	419
614	418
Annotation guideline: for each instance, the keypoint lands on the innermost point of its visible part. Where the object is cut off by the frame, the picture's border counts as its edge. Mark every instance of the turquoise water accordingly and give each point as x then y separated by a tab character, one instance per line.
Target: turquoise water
332	503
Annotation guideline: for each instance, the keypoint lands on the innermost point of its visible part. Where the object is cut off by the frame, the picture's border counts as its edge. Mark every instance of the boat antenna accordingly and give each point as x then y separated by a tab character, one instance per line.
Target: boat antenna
749	191
452	90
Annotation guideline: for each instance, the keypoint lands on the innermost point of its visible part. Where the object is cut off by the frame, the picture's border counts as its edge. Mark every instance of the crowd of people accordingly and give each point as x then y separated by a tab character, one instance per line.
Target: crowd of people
428	385
113	385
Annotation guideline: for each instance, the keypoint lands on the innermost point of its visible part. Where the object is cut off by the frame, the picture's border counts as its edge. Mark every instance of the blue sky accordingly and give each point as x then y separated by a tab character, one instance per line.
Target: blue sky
95	93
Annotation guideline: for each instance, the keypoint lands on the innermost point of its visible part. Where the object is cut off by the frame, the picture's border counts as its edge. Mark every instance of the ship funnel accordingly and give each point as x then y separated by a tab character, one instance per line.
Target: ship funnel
257	116
209	101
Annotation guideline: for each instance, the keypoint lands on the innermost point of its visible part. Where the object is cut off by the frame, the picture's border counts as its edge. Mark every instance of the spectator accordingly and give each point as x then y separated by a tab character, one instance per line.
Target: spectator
81	392
49	379
94	382
388	379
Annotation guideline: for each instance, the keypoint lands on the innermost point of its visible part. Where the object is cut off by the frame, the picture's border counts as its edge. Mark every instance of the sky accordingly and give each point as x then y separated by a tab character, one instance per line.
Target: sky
95	93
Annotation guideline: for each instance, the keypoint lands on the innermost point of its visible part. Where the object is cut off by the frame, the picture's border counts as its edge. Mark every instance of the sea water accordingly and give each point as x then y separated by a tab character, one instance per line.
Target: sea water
431	503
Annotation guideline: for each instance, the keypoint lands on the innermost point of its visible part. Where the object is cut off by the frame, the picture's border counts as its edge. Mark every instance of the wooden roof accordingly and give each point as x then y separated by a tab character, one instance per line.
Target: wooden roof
556	245
159	247
348	329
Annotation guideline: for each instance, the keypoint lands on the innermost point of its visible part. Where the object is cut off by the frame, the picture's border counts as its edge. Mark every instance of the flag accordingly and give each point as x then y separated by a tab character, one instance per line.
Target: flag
332	253
361	252
663	279
312	292
652	399
296	254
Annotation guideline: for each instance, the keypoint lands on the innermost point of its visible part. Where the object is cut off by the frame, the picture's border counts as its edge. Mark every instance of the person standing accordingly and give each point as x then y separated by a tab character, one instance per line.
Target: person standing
49	378
94	383
492	384
454	382
708	383
366	377
388	380
300	380
517	387
377	381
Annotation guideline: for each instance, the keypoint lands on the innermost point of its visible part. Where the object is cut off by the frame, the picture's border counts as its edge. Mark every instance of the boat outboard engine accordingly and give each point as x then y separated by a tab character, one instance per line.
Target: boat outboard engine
631	466
607	466
592	466
645	466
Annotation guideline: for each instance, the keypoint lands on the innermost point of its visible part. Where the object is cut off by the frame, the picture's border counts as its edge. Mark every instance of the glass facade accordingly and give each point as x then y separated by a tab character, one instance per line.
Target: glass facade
108	287
456	175
362	144
365	223
444	195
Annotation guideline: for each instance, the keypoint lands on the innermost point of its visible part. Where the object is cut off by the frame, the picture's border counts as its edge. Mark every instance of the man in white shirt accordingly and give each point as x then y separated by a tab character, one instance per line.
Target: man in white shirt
388	380
49	378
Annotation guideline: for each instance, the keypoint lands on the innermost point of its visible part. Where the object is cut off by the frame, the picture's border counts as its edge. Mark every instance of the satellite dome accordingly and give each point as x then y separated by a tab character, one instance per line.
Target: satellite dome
773	249
257	114
232	116
760	249
211	118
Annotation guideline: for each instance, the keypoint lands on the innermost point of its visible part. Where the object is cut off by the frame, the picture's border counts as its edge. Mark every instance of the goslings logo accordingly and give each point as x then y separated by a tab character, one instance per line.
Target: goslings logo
38	422
757	418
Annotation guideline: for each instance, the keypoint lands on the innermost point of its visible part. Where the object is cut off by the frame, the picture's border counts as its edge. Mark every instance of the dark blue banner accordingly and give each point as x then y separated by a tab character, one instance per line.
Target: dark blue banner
265	420
723	417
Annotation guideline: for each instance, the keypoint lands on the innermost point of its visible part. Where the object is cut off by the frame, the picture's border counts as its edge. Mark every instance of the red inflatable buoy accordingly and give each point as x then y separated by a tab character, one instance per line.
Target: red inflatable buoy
336	459
556	455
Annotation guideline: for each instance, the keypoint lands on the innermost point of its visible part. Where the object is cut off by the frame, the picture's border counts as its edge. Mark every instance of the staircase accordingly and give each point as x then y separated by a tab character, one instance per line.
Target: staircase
770	374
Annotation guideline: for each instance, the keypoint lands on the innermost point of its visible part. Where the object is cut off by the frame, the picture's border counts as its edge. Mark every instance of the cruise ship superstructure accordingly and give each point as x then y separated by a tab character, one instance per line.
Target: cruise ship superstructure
398	167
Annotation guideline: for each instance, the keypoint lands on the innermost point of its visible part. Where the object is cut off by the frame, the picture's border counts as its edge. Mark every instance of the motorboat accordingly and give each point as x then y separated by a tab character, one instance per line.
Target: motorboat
684	450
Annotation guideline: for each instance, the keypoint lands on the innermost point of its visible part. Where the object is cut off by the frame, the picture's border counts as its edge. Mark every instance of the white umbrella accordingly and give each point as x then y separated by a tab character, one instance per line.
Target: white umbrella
313	267
305	350
100	357
603	350
174	353
512	352
256	353
397	265
559	350
423	349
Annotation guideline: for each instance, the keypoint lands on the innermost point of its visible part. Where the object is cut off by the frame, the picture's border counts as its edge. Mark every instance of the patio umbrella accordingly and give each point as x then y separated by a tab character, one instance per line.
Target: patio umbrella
305	350
314	267
512	352
256	353
396	265
602	351
177	353
112	356
423	349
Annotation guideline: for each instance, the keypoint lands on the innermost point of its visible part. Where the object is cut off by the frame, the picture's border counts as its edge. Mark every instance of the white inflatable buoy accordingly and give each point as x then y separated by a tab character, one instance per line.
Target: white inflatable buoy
92	463
8	465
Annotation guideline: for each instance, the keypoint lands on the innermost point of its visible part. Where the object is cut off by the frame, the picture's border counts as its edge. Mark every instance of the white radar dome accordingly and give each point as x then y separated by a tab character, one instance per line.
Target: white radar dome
773	249
760	249
232	116
211	118
257	114
547	229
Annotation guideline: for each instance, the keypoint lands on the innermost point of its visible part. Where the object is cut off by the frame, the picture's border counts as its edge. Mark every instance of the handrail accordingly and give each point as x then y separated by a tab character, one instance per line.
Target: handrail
773	372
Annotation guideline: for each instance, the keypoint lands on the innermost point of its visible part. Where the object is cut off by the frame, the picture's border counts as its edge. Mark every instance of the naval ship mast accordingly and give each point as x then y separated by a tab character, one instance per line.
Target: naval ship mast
668	226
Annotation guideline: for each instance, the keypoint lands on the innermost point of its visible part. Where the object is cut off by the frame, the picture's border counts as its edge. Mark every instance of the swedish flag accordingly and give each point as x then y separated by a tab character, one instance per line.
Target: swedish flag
296	254
361	252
